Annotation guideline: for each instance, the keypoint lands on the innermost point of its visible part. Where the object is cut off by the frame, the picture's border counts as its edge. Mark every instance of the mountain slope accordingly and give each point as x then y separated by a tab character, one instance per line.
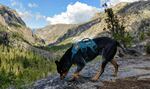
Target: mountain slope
52	32
15	25
19	35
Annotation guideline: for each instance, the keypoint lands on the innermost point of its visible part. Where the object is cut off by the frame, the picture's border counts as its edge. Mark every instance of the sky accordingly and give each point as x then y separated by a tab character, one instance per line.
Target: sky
39	13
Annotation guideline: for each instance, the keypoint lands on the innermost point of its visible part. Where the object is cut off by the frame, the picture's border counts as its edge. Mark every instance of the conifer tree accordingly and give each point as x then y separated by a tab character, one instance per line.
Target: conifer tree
116	28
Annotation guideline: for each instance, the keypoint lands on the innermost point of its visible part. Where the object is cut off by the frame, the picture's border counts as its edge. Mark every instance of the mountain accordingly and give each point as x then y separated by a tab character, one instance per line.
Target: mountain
136	18
14	25
52	32
21	62
19	35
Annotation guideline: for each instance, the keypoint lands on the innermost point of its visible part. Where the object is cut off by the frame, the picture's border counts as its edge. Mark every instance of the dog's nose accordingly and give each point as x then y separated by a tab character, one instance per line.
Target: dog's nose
62	77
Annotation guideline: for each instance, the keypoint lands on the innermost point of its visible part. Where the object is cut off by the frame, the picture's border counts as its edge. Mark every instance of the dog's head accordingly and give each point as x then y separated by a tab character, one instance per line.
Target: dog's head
61	70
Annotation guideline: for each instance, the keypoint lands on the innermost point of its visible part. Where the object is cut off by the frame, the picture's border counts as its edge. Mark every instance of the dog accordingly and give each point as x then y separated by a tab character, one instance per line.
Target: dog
105	46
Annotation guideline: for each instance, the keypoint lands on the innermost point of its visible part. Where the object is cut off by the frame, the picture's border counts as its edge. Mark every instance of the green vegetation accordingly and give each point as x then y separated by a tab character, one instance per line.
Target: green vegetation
2	29
56	48
17	25
59	47
17	36
117	29
19	67
141	36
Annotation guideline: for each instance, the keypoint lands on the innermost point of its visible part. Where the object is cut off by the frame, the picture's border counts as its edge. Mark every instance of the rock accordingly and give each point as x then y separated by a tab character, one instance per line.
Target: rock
133	52
128	68
144	77
10	16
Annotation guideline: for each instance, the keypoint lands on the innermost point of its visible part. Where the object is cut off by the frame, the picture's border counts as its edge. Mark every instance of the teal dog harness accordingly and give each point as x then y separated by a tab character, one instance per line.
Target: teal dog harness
83	45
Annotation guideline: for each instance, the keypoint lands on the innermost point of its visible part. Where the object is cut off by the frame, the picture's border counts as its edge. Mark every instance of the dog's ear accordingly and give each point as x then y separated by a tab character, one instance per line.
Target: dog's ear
57	63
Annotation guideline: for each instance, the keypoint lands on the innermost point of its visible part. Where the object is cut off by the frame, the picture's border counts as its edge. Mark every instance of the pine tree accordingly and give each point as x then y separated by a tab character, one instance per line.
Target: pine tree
116	28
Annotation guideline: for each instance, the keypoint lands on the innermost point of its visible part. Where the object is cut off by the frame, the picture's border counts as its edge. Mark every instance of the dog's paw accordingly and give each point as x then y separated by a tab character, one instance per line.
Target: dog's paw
72	79
94	79
114	75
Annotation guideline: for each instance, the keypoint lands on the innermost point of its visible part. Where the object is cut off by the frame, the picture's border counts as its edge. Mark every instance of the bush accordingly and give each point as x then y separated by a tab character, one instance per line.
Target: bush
142	36
117	29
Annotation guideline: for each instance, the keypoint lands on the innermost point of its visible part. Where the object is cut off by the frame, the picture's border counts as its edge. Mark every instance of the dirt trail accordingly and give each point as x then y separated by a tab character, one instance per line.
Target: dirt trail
127	83
132	73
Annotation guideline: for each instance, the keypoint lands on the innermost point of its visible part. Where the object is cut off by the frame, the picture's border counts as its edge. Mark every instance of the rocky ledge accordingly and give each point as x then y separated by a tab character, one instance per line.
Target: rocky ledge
129	67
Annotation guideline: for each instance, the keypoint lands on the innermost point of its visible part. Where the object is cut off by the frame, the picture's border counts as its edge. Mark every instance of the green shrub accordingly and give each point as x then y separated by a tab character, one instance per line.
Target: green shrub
117	29
142	36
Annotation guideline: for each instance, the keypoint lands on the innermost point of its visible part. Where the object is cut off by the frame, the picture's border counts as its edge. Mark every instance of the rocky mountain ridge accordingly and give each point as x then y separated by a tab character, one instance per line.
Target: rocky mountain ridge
9	16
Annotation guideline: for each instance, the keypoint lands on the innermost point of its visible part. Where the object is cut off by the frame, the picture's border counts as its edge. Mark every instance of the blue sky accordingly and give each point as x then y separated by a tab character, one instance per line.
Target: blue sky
39	13
29	9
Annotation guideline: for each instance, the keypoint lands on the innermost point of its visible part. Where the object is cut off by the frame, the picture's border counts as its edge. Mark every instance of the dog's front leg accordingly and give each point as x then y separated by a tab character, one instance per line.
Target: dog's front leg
77	72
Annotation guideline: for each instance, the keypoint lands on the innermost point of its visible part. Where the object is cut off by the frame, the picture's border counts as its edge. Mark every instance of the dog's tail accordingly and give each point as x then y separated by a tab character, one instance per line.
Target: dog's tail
123	49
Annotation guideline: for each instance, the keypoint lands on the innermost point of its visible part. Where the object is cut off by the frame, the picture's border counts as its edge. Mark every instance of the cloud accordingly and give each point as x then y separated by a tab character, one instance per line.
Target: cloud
32	20
32	5
38	17
75	13
17	4
13	3
25	15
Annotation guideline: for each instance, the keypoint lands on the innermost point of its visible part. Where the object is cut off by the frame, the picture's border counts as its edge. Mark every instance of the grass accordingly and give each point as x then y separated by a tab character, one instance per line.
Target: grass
19	67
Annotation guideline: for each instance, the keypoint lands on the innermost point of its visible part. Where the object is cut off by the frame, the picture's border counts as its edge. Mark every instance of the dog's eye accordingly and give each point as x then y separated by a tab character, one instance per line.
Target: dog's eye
64	69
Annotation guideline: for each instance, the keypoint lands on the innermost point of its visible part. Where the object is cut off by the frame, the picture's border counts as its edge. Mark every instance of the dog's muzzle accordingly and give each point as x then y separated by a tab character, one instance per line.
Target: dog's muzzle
63	75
